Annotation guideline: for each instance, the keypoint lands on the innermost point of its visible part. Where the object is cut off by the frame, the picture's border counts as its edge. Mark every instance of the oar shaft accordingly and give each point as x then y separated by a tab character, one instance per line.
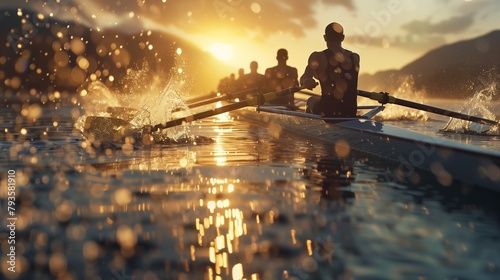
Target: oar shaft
309	93
444	112
383	98
201	115
256	100
219	98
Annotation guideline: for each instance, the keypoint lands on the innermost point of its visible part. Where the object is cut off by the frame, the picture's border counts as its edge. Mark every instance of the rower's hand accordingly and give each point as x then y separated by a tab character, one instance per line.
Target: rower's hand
309	83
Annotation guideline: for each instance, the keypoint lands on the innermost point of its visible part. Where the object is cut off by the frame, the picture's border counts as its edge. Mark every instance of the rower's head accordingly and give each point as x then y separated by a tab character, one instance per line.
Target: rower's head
334	33
282	55
254	66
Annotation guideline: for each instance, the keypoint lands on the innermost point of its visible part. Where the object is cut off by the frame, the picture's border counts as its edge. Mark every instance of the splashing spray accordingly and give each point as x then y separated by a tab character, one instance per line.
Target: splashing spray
142	100
478	105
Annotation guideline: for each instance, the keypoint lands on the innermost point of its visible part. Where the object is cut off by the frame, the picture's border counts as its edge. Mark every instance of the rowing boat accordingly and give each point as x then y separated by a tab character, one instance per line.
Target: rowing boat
411	151
447	160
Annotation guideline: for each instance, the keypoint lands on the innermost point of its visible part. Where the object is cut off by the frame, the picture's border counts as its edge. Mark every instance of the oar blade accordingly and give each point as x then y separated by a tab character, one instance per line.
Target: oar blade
97	128
124	113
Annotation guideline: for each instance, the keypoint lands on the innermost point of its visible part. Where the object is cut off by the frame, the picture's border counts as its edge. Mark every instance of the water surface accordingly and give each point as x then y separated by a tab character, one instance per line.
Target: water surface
254	203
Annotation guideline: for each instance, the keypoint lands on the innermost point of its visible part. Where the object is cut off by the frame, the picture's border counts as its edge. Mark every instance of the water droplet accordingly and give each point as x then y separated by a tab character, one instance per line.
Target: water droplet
123	196
57	264
255	7
83	62
126	237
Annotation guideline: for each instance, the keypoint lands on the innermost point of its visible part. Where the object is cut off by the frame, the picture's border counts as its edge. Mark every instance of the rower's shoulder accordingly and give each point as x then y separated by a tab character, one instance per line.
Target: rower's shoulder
349	52
318	55
355	56
291	68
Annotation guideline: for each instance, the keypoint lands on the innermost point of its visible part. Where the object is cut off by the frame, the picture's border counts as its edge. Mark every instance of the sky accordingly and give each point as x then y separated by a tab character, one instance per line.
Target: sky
387	34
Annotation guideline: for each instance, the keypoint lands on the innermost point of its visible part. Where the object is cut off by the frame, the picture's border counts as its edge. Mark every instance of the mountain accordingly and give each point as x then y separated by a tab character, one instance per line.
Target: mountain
451	71
42	54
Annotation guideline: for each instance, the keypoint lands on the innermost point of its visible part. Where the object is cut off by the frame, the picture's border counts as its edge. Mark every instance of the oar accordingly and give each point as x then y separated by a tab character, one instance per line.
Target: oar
256	100
309	93
228	96
385	98
114	129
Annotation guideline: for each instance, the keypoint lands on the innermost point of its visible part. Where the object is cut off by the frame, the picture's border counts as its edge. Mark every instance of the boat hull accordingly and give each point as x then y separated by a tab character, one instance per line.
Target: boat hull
449	161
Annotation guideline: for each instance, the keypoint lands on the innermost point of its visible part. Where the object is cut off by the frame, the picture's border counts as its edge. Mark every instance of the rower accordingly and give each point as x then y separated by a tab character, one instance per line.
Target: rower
337	70
254	79
282	76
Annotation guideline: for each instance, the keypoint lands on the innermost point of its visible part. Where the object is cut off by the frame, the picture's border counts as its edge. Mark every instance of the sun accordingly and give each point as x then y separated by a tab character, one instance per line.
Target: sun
221	51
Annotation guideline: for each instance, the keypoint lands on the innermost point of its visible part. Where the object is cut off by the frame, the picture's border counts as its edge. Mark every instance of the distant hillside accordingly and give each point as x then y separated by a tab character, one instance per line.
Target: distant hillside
449	71
45	54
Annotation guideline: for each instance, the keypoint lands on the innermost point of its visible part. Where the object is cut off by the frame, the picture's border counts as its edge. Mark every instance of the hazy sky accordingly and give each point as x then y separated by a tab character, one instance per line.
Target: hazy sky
387	34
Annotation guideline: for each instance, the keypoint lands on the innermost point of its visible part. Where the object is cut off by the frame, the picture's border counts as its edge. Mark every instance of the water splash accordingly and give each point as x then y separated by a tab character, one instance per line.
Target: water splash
161	103
142	100
97	97
406	90
479	105
166	106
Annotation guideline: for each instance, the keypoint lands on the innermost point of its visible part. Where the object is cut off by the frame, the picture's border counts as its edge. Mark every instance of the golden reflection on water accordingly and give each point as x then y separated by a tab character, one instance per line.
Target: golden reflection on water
219	223
221	231
162	201
219	150
219	153
224	117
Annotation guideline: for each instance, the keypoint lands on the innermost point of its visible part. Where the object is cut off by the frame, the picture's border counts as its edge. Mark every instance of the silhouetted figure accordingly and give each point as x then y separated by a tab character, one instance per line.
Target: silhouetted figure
227	84
254	80
223	86
337	71
240	83
282	76
231	83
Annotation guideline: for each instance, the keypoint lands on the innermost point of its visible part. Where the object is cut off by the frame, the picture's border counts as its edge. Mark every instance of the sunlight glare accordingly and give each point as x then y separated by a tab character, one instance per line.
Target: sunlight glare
224	117
221	51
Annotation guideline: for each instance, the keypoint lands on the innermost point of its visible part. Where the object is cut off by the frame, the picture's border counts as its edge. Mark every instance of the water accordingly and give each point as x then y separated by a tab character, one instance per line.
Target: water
251	204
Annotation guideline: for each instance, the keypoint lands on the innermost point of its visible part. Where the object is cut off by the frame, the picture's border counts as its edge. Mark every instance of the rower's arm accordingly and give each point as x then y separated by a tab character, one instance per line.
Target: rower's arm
307	79
294	76
356	61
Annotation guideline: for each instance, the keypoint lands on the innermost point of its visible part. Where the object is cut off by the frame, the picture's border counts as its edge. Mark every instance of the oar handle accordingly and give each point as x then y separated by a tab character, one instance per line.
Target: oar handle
256	100
384	98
